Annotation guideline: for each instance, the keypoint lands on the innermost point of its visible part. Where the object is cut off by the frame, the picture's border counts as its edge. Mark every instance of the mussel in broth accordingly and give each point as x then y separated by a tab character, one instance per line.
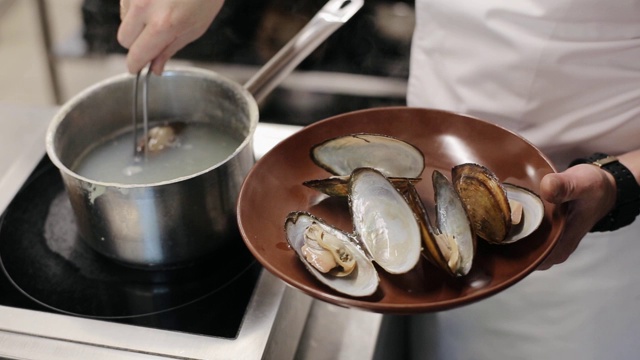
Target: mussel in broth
161	137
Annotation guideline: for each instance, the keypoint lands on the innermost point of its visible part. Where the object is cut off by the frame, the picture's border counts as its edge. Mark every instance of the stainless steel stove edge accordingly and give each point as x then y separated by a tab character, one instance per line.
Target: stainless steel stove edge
27	334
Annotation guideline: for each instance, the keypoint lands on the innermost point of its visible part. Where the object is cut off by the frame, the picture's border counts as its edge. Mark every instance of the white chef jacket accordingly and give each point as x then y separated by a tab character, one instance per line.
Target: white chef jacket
564	74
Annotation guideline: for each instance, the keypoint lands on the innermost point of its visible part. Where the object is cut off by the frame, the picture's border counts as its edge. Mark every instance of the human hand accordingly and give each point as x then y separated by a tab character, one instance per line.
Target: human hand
589	193
154	31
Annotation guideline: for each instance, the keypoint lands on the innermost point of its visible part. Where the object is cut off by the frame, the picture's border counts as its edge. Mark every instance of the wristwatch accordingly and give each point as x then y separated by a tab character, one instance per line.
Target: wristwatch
627	206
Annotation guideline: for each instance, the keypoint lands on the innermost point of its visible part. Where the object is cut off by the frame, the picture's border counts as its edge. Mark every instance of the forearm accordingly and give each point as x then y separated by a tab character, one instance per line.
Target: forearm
632	161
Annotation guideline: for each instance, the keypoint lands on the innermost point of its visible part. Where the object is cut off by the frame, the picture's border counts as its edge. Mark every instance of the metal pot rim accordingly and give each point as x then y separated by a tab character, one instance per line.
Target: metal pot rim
169	71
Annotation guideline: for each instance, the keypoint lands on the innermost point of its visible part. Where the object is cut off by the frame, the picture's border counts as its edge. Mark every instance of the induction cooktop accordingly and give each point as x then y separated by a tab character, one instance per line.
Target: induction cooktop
47	267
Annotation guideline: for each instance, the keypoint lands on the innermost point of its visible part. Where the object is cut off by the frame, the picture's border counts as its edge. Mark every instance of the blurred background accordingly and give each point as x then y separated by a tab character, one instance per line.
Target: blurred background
50	50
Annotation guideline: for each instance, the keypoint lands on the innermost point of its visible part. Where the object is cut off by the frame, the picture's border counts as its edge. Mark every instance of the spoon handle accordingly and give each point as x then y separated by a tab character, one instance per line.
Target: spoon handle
145	113
331	17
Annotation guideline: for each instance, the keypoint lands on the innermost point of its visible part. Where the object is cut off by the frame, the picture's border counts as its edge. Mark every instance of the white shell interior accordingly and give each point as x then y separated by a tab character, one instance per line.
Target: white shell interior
391	156
384	222
533	212
363	281
452	219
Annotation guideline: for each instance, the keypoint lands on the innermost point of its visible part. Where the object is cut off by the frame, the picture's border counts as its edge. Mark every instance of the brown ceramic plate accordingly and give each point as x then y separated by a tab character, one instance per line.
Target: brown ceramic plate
274	188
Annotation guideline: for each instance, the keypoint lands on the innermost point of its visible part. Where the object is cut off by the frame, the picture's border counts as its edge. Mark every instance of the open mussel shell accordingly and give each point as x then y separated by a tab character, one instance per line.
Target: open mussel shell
339	185
487	203
391	156
450	244
383	221
362	281
532	212
453	222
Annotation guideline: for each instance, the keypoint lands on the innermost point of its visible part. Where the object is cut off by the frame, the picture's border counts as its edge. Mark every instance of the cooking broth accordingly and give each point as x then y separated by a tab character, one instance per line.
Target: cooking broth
198	146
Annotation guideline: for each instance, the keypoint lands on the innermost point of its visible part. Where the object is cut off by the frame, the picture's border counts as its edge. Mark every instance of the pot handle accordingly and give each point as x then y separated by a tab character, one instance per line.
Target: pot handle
331	17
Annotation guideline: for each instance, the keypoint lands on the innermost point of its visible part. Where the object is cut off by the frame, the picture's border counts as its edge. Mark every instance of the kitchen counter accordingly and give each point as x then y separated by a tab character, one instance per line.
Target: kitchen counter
280	322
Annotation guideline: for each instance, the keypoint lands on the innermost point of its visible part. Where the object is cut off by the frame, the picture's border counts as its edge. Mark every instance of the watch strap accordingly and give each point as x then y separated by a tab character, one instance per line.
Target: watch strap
627	206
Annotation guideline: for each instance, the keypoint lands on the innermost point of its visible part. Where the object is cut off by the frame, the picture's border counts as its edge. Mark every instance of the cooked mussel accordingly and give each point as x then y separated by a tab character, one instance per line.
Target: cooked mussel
529	215
377	173
391	156
450	243
493	206
383	221
385	231
362	280
161	137
326	252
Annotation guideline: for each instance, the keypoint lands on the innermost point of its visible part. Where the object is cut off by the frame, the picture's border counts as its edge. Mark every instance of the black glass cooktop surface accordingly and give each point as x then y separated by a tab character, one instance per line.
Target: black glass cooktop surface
47	267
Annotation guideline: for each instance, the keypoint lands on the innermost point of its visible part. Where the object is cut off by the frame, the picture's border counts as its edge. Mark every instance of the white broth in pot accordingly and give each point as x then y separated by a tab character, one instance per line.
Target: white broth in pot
196	147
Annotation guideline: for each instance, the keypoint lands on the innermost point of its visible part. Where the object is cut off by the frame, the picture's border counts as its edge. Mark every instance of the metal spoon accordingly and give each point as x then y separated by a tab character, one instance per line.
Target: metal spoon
141	151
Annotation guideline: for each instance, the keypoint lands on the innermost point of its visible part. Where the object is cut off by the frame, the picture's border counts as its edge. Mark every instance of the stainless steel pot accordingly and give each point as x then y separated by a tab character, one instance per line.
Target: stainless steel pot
173	222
